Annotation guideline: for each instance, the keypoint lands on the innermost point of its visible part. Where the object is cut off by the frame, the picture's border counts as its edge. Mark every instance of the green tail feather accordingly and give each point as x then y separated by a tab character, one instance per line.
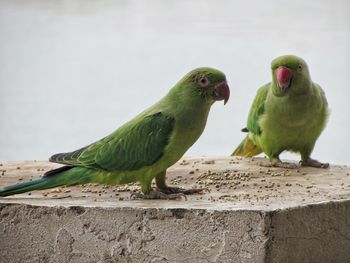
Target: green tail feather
36	184
247	148
54	178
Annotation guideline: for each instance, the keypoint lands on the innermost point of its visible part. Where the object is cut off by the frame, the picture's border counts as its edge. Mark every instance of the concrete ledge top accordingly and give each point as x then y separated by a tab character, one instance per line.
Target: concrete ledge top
234	184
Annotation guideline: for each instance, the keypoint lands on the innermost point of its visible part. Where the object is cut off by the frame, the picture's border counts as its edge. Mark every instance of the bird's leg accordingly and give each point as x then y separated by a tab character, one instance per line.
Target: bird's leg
306	160
162	187
157	195
313	163
276	162
284	165
148	193
163	191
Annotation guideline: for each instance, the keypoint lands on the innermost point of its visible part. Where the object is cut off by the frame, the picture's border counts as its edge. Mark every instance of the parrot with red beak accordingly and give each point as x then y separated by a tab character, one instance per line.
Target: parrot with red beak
143	148
287	114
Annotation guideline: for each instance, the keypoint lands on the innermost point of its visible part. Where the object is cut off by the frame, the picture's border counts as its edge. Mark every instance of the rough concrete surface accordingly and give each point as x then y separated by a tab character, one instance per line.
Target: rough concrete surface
251	214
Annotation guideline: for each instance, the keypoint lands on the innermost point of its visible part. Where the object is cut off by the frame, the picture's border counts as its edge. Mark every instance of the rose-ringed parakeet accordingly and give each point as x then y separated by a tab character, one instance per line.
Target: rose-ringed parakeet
143	148
288	113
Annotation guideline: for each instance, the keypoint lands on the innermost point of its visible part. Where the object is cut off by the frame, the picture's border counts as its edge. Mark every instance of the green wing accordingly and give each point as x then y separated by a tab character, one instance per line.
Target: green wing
257	109
132	146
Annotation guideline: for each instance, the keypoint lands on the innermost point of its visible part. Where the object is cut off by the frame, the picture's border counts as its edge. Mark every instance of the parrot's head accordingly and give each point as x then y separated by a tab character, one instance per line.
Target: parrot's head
290	76
205	85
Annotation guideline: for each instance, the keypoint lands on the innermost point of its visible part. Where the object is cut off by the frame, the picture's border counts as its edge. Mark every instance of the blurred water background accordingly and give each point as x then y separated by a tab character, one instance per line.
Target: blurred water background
71	72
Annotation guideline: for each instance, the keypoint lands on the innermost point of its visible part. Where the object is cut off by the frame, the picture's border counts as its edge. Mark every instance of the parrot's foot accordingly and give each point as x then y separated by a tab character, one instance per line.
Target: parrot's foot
314	163
179	190
280	164
158	195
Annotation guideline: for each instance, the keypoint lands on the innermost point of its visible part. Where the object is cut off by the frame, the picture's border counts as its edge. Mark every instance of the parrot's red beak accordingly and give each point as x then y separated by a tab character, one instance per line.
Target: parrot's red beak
221	92
284	76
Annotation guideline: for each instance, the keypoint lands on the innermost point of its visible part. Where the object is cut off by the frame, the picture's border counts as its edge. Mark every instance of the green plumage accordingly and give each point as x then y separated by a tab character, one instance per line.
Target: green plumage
289	117
131	147
143	148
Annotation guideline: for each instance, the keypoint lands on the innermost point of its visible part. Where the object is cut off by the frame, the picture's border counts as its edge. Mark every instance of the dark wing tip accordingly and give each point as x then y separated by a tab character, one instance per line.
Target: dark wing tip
69	158
57	170
56	158
245	129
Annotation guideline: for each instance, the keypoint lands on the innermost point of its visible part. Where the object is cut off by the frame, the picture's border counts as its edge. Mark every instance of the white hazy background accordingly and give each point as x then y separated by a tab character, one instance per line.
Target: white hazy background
71	72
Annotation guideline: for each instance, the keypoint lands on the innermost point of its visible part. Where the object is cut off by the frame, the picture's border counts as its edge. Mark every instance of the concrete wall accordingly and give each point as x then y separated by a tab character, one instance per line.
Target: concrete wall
315	233
78	234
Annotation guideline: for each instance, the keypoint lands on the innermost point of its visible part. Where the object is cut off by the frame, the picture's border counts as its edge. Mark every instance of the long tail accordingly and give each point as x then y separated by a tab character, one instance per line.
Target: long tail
247	148
65	175
36	184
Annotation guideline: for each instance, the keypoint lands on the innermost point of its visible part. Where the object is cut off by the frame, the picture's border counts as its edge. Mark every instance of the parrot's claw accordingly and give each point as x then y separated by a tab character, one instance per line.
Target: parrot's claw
280	164
179	190
158	195
314	163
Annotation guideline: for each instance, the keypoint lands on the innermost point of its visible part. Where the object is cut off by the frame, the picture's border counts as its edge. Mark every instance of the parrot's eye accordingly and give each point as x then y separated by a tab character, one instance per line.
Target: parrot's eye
203	81
300	67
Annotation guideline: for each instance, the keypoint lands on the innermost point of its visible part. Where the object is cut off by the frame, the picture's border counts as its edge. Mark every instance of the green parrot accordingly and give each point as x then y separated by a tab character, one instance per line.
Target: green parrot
288	113
143	148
